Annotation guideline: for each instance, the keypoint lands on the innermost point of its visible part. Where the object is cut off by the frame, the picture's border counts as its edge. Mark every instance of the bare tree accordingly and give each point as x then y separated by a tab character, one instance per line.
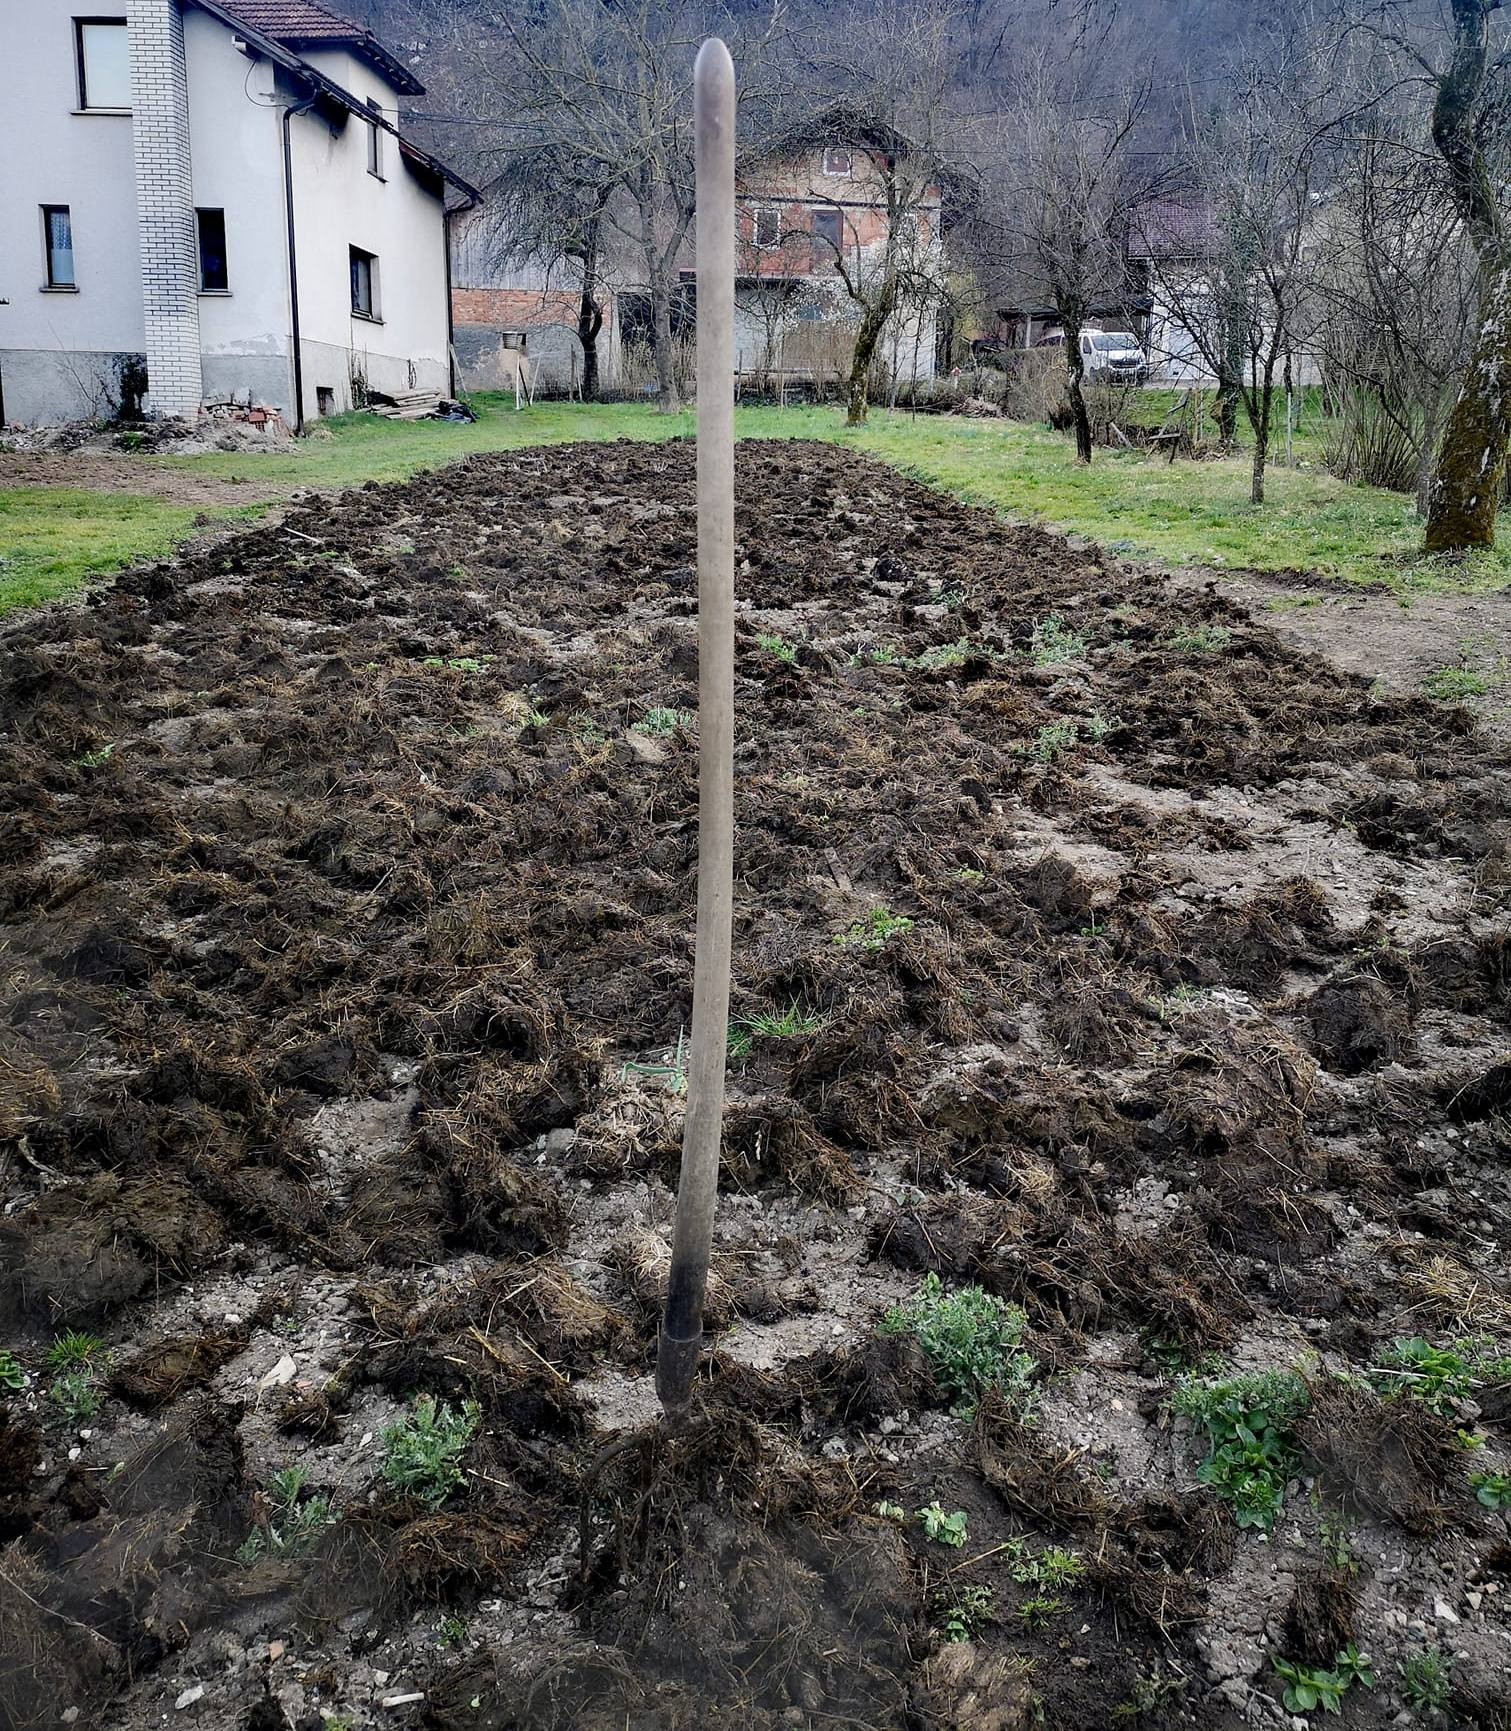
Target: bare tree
1058	181
1254	168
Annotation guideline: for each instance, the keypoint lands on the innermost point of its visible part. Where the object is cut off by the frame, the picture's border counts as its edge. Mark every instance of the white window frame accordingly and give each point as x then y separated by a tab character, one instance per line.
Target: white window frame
774	212
373	311
832	151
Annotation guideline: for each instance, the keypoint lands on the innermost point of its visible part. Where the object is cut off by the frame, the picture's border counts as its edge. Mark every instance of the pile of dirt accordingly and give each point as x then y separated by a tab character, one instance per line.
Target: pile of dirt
1090	945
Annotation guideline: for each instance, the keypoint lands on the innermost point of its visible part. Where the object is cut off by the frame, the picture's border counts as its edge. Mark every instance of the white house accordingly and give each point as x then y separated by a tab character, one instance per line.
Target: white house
215	191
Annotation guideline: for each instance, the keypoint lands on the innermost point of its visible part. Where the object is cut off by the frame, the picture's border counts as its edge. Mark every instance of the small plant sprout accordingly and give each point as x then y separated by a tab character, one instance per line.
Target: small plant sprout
1054	644
1308	1688
1492	1489
452	1631
940	1528
671	1072
1054	1567
892	1511
971	1340
96	759
291	1526
1200	640
1427	1682
968	1613
872	930
75	1392
422	1452
1249	1423
11	1373
1150	1689
1037	1611
777	646
664	720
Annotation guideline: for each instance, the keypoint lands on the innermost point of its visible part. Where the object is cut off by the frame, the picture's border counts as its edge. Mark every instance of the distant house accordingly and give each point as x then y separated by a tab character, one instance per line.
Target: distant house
211	198
799	209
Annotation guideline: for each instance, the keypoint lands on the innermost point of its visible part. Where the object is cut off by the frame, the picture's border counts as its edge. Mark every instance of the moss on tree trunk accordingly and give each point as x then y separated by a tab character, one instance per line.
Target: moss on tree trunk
1464	496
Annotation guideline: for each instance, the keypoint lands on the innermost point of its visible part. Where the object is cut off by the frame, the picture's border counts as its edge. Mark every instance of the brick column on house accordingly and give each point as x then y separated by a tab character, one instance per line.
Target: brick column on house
165	206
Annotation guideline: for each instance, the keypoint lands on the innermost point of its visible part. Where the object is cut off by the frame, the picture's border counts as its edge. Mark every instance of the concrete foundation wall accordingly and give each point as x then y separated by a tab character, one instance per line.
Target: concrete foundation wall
40	386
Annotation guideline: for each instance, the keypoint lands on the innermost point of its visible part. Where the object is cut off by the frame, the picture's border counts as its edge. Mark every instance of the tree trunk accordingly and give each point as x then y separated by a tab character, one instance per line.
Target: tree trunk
1235	342
1465	493
1261	425
667	399
1466	485
1075	373
589	318
873	321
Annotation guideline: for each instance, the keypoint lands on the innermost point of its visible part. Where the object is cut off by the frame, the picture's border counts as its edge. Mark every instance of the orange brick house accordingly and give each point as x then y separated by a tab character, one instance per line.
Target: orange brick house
822	199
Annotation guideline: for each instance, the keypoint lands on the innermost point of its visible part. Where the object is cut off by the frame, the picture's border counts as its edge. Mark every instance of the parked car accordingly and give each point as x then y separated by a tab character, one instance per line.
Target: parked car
1113	355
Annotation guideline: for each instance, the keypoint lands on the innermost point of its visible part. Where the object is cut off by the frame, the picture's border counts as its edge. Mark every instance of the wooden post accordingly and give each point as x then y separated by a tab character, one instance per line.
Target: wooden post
714	129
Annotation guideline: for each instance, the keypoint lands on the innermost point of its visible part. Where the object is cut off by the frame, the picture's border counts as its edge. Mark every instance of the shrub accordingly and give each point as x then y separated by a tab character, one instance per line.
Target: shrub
970	1339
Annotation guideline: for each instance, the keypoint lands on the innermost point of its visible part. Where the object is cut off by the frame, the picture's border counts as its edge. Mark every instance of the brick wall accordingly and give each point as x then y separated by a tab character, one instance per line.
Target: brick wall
514	309
165	205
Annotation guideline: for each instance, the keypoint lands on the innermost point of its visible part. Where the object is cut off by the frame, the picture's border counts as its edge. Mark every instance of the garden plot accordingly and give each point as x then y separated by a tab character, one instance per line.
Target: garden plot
1110	1306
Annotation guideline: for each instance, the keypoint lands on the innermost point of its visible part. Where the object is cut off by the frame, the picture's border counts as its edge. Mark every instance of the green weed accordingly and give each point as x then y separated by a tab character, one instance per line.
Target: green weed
971	1340
1151	1689
673	1073
457	663
872	929
1200	640
664	721
292	1526
1440	1377
1249	1422
75	1392
779	1025
968	1612
777	646
1052	739
1054	1567
11	1373
940	1528
1038	1611
1308	1688
1454	684
1492	1489
452	1631
96	759
422	1452
1427	1682
74	1348
1054	644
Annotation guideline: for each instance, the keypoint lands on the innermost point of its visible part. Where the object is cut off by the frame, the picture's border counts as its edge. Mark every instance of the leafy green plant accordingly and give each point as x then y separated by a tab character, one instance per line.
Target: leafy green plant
660	720
1453	684
422	1451
457	663
452	1631
872	930
891	1511
1440	1377
1052	739
777	646
1427	1682
75	1392
1492	1489
1055	1567
968	1613
1098	726
11	1373
292	1525
1309	1687
940	1528
1055	644
96	759
770	1025
1249	1422
1200	639
971	1340
673	1073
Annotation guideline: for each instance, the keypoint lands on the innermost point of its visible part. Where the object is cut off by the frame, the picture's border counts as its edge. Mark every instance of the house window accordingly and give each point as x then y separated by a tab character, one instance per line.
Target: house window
214	278
374	143
828	226
57	238
364	284
767	226
837	160
104	66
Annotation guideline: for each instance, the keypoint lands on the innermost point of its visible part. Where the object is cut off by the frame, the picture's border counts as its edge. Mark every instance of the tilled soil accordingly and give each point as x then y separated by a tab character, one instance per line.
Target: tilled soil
1149	973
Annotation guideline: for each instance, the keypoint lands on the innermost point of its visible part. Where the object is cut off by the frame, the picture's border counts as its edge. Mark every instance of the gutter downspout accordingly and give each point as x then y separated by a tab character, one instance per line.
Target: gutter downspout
446	216
289	112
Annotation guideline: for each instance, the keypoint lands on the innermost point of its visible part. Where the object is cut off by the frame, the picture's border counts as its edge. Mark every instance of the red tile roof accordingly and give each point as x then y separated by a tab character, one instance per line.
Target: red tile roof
308	24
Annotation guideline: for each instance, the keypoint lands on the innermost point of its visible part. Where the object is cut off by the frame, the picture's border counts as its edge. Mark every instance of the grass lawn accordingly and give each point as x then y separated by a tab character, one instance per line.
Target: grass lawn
52	539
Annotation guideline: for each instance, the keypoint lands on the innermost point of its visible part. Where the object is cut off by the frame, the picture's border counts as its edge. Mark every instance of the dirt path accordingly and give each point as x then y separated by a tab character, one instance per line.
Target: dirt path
1094	946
